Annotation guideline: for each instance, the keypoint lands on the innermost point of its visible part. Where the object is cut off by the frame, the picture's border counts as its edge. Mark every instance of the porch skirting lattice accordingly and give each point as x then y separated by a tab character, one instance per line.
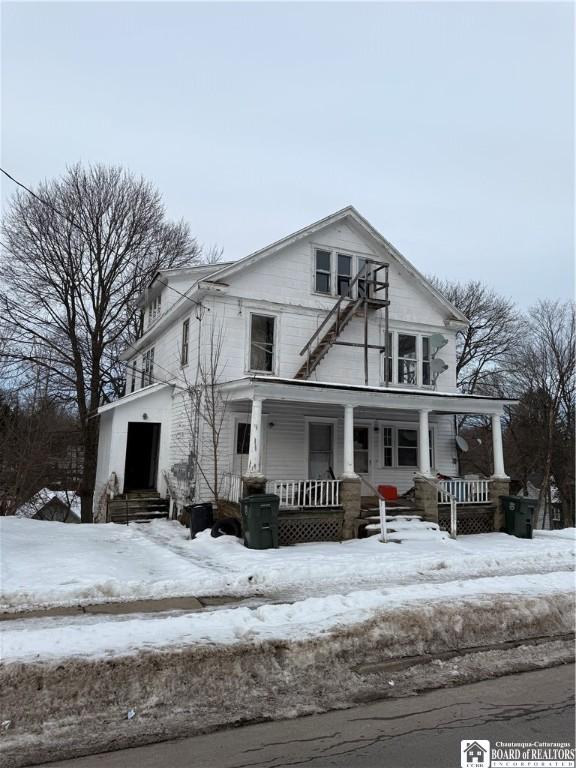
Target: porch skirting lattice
302	526
480	520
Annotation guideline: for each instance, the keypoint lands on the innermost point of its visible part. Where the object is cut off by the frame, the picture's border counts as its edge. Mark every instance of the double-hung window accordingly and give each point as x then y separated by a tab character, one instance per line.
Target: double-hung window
344	274
387	447
407	359
147	368
133	375
323	276
407	447
425	360
262	343
387	360
185	342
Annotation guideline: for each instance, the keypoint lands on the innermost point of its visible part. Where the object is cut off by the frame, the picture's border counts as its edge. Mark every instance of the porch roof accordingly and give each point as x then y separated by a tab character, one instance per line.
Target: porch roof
296	390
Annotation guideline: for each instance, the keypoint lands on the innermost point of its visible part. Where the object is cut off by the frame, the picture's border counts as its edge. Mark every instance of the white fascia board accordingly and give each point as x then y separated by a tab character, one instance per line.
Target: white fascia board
293	390
180	307
152	389
365	226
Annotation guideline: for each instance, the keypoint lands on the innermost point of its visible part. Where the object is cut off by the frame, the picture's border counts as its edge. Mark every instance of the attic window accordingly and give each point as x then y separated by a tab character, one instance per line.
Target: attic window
323	271
262	343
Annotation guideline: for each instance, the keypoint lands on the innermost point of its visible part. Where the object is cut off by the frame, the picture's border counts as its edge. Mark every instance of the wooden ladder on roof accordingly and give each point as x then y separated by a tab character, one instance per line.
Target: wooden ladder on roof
326	335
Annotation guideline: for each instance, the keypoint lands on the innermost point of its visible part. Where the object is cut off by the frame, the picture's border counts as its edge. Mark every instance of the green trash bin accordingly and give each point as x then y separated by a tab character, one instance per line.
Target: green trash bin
519	513
260	520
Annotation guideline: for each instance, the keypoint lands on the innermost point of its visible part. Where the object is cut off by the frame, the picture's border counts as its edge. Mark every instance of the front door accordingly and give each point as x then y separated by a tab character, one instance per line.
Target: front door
320	451
362	451
142	448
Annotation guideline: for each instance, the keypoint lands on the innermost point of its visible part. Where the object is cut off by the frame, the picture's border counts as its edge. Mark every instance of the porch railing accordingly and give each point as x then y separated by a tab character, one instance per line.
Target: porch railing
306	493
231	488
464	491
293	493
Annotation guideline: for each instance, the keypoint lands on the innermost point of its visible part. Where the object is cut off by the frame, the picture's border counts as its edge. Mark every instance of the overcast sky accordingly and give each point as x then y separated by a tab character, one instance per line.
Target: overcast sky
448	125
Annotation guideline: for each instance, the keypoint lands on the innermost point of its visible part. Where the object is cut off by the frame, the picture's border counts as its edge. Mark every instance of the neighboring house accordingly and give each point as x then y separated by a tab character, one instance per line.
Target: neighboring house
59	506
337	364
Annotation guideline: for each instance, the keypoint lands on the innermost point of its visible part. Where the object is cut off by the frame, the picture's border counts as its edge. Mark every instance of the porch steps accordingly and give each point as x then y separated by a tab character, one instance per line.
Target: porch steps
137	507
327	340
400	528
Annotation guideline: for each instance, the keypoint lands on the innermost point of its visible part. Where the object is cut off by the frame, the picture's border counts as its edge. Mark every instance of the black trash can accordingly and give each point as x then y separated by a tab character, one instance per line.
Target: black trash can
519	512
260	520
201	517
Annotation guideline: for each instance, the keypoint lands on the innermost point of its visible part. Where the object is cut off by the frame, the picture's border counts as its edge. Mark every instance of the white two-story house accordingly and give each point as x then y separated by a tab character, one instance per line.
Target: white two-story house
322	366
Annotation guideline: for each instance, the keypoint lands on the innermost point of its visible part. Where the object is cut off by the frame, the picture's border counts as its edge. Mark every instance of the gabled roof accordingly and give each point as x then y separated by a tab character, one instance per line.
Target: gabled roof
349	212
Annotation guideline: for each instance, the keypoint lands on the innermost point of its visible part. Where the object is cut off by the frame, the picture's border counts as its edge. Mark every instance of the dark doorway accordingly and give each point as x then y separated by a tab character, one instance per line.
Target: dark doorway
142	449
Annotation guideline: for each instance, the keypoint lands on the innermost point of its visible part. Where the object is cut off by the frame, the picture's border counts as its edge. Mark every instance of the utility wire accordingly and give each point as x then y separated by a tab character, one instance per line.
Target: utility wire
79	228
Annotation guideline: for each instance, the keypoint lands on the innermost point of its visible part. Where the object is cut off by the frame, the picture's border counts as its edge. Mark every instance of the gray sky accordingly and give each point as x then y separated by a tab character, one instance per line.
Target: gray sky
448	125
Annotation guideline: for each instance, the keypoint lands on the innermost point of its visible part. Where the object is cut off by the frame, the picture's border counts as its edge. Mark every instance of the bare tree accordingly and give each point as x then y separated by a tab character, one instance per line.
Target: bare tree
543	374
483	348
74	257
207	411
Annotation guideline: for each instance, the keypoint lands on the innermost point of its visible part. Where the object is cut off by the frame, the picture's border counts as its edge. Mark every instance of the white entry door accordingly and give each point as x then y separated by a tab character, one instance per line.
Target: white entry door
362	457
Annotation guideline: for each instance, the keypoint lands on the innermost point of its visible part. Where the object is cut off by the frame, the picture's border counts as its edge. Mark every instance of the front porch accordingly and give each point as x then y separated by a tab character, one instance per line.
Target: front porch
325	449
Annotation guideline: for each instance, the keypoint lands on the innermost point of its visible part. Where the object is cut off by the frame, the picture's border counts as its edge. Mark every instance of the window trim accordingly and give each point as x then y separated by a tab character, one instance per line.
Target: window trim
335	436
185	343
395	427
275	344
334	252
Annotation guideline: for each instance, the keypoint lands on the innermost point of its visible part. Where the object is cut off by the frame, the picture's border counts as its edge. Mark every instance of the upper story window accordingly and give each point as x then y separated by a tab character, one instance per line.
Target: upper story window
323	278
334	272
426	360
154	309
147	376
133	375
407	359
344	274
185	342
262	331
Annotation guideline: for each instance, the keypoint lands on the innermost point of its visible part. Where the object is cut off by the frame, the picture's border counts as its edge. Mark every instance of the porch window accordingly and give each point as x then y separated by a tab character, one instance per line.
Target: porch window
242	439
425	360
323	272
361	450
185	342
407	359
387	446
344	274
262	343
407	445
320	450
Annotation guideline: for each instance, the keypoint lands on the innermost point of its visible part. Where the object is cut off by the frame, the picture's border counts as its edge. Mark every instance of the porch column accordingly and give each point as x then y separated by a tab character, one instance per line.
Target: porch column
423	443
349	442
499	471
254	470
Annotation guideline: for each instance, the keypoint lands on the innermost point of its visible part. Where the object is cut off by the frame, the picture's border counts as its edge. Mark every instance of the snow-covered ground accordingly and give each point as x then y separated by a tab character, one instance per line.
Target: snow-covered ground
47	564
54	638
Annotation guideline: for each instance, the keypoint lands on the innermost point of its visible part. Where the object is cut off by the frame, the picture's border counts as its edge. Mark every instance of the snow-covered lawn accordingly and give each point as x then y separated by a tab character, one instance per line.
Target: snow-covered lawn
53	564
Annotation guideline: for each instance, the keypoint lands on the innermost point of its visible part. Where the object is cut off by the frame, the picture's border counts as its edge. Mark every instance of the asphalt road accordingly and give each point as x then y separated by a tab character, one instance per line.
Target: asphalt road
417	732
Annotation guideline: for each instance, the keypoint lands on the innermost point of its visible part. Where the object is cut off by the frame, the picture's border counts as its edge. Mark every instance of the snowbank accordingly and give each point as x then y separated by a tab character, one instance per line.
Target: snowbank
53	564
51	639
